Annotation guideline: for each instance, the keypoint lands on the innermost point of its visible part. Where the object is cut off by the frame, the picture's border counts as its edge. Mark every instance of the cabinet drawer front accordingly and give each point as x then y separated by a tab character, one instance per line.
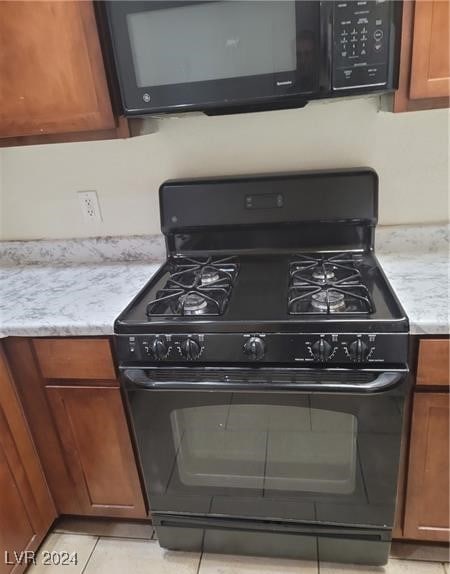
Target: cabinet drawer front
75	358
434	359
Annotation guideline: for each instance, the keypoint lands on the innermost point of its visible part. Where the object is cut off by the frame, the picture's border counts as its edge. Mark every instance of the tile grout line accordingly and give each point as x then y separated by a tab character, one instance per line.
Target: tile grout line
71	533
199	563
90	555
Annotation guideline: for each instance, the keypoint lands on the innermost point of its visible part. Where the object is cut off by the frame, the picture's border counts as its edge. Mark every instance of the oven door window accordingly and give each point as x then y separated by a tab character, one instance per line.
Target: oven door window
328	458
267	448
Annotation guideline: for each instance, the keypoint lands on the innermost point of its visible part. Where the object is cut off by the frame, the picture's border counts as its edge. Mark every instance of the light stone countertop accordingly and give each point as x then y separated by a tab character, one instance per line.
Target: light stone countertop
47	290
416	261
81	299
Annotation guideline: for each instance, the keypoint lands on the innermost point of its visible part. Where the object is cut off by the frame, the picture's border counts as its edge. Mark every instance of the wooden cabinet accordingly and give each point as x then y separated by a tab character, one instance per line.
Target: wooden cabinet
426	489
53	76
82	359
424	80
97	449
427	500
75	410
433	368
26	507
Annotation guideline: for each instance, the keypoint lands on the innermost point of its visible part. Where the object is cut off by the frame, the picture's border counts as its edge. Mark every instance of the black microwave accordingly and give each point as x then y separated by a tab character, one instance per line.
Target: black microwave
243	55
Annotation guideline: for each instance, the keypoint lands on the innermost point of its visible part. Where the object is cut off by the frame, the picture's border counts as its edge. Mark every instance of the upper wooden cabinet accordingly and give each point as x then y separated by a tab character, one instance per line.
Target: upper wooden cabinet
424	81
52	73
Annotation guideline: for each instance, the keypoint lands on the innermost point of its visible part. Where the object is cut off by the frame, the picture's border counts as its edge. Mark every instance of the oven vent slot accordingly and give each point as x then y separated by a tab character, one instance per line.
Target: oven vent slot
261	376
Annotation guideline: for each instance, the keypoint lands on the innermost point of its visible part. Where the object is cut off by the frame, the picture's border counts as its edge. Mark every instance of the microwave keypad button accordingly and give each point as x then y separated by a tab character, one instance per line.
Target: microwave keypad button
378	34
361	75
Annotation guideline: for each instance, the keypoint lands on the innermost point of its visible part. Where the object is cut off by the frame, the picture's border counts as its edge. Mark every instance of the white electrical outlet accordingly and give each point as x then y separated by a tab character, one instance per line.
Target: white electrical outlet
90	206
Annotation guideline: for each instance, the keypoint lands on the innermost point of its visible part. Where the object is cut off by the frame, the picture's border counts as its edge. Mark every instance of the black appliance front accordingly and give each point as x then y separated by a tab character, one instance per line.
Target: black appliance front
248	55
303	468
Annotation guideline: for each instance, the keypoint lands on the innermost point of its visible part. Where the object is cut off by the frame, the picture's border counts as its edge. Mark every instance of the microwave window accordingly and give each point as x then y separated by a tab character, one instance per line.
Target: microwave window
212	40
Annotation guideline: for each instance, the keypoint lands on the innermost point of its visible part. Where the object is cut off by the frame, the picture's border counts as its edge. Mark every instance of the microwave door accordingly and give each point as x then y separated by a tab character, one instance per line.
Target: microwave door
179	56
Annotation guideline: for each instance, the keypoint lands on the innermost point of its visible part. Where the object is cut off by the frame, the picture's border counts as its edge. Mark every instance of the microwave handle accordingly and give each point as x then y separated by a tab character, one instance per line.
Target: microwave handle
326	45
383	382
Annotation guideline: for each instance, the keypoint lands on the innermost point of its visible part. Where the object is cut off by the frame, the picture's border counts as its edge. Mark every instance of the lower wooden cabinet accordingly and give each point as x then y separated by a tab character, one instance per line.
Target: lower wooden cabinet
427	494
97	449
26	507
74	407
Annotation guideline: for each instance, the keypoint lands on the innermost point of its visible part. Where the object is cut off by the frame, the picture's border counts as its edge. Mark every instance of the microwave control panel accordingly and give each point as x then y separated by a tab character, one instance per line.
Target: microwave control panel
361	31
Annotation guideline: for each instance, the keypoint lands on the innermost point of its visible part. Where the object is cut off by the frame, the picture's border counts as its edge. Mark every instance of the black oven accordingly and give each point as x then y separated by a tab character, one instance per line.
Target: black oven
227	56
295	461
265	369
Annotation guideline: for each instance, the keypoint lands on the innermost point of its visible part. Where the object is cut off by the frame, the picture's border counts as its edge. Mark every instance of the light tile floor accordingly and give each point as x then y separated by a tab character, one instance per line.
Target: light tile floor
115	555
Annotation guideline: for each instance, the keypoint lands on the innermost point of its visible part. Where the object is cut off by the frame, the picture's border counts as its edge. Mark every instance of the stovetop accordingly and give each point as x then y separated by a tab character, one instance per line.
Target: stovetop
267	292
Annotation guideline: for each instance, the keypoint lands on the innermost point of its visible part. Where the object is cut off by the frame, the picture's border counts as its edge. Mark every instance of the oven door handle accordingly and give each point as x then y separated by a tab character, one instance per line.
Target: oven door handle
383	382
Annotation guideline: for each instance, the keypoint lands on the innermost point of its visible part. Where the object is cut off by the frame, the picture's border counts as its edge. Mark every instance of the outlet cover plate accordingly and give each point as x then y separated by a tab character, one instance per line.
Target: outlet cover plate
90	206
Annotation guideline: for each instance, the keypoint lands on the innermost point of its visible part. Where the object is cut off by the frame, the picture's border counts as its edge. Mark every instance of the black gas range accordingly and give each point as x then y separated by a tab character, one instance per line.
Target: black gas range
265	368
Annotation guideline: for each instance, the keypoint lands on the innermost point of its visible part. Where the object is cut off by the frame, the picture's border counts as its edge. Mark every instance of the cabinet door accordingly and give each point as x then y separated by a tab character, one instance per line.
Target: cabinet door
96	445
16	530
51	68
424	75
430	66
26	508
427	503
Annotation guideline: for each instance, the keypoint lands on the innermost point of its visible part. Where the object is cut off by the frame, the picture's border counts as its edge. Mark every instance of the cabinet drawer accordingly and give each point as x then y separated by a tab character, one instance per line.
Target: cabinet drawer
75	358
433	366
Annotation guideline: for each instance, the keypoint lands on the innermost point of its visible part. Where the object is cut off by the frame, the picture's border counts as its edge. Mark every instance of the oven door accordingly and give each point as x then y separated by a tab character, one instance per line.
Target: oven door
191	55
316	447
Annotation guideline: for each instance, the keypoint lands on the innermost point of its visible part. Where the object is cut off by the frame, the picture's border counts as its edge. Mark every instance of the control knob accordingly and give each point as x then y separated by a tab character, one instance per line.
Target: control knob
321	350
190	348
358	351
255	348
159	347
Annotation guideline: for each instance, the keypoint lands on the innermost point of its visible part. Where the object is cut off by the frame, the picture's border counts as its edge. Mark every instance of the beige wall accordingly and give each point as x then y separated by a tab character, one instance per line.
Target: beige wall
409	151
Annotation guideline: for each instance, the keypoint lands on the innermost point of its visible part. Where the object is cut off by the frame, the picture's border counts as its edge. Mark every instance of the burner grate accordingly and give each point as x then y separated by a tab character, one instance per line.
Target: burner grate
327	284
195	287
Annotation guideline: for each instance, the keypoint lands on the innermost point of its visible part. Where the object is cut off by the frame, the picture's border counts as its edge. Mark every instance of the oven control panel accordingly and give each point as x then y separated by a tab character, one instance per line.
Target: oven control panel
303	349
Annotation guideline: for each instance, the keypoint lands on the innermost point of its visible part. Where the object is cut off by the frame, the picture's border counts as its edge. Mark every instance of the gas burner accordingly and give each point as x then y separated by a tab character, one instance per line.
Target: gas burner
339	269
200	286
329	299
188	272
324	275
348	299
209	275
193	303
